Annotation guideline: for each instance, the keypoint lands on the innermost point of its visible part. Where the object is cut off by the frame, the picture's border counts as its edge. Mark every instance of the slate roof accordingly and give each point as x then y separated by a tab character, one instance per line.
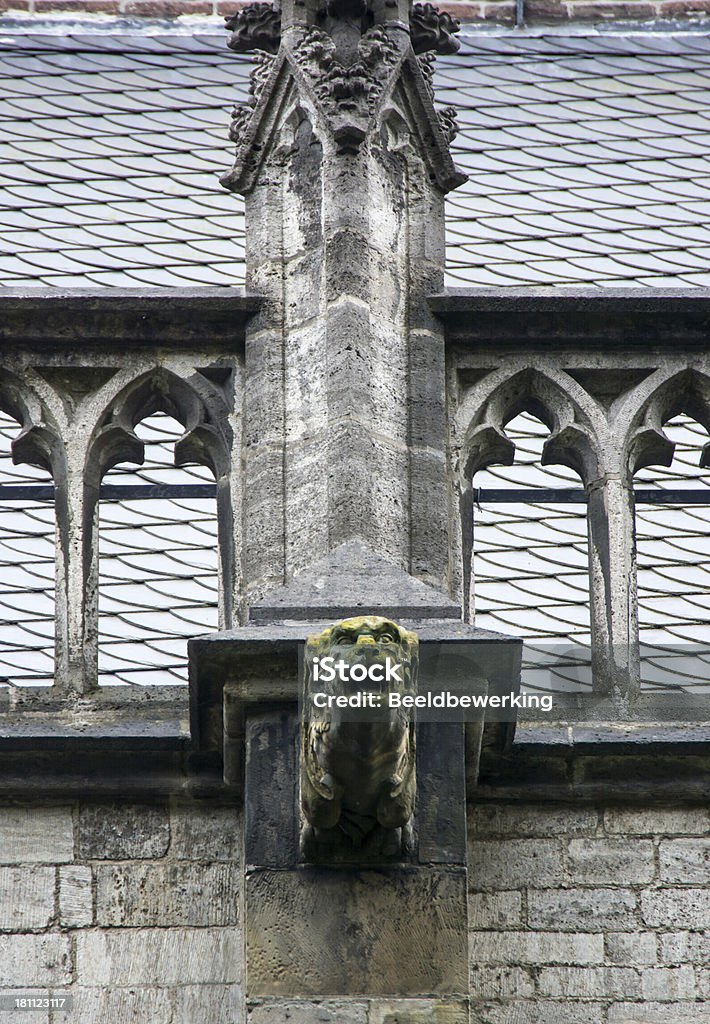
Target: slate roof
588	155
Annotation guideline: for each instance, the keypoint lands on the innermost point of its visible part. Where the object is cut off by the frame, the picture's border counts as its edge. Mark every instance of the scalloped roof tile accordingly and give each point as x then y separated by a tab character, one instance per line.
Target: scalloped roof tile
592	146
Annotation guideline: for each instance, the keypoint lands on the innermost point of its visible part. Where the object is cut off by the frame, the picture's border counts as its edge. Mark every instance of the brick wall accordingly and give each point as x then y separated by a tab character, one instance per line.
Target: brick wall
589	915
499	11
135	910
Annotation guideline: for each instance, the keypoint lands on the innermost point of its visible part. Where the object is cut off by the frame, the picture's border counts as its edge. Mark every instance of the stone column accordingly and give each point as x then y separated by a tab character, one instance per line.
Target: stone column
344	164
612	592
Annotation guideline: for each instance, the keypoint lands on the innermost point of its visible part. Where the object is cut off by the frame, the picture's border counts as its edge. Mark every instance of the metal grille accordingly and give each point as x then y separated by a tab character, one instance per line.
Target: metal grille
531	565
157	566
673	543
26	573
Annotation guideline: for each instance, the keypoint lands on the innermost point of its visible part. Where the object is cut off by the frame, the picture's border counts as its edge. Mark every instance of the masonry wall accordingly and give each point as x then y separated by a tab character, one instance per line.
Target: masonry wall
536	12
133	909
579	915
589	915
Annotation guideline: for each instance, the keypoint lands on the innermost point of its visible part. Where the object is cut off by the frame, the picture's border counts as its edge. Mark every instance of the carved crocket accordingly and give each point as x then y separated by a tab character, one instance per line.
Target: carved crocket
358	763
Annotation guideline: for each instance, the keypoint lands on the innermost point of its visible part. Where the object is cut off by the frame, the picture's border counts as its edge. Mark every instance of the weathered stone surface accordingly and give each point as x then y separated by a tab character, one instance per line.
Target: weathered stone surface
122	1005
676	908
26	898
537	948
417	1011
631	948
515	863
658	820
76	901
159	956
659	1013
271	819
395	932
140	895
208	1003
590	982
685	947
685	860
626	862
577	909
36	835
494	910
35	960
539	1011
123	831
354	576
205	833
668	984
20	1017
326	1012
501	982
541	820
441	789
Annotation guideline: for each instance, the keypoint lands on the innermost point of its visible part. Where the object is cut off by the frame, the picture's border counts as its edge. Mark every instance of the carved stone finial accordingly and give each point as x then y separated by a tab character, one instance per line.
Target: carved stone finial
258	26
433	29
255	27
358	764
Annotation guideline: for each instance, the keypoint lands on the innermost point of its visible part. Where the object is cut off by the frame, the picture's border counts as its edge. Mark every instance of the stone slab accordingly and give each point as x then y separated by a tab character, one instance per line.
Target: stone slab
320	932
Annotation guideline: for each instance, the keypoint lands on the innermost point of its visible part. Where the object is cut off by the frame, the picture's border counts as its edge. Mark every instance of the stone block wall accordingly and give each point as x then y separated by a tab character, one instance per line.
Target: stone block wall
134	909
578	915
589	915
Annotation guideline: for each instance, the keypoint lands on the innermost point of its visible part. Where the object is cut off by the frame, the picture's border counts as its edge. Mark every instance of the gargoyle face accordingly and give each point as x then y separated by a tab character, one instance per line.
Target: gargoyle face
369	640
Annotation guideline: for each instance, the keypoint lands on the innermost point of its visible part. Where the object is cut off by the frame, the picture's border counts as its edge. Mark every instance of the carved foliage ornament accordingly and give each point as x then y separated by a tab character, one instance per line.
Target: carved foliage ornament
345	86
255	27
258	26
358	763
348	88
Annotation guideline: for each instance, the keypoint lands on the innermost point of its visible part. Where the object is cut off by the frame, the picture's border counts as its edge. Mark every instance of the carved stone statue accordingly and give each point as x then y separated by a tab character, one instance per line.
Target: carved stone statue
358	761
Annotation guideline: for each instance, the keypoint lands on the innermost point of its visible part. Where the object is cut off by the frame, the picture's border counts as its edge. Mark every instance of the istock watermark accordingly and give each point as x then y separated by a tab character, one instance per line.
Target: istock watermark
439	700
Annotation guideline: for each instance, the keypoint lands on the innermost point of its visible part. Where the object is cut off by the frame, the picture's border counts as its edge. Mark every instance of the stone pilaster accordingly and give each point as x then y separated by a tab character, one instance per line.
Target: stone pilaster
344	164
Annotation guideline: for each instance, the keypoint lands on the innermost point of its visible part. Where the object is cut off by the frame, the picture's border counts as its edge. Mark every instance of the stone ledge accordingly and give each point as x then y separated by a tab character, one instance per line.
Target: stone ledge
138	317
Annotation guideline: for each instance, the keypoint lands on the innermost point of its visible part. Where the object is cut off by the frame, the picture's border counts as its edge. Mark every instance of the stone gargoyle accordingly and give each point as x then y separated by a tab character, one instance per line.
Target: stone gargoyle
358	763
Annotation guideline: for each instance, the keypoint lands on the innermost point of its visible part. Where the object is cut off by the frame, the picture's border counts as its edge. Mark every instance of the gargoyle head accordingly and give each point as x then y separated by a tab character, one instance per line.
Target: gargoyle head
358	759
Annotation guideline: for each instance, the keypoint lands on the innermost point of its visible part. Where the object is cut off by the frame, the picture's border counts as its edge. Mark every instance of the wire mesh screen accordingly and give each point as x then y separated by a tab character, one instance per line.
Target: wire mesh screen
157	567
531	566
27	547
673	545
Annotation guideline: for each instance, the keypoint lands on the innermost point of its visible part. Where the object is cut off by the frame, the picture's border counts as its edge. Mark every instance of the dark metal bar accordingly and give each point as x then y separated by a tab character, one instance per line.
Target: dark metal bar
491	495
111	492
576	495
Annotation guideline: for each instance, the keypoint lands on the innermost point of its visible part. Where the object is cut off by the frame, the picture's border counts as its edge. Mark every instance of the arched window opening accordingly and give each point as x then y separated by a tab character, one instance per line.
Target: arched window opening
27	568
531	561
673	552
157	562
